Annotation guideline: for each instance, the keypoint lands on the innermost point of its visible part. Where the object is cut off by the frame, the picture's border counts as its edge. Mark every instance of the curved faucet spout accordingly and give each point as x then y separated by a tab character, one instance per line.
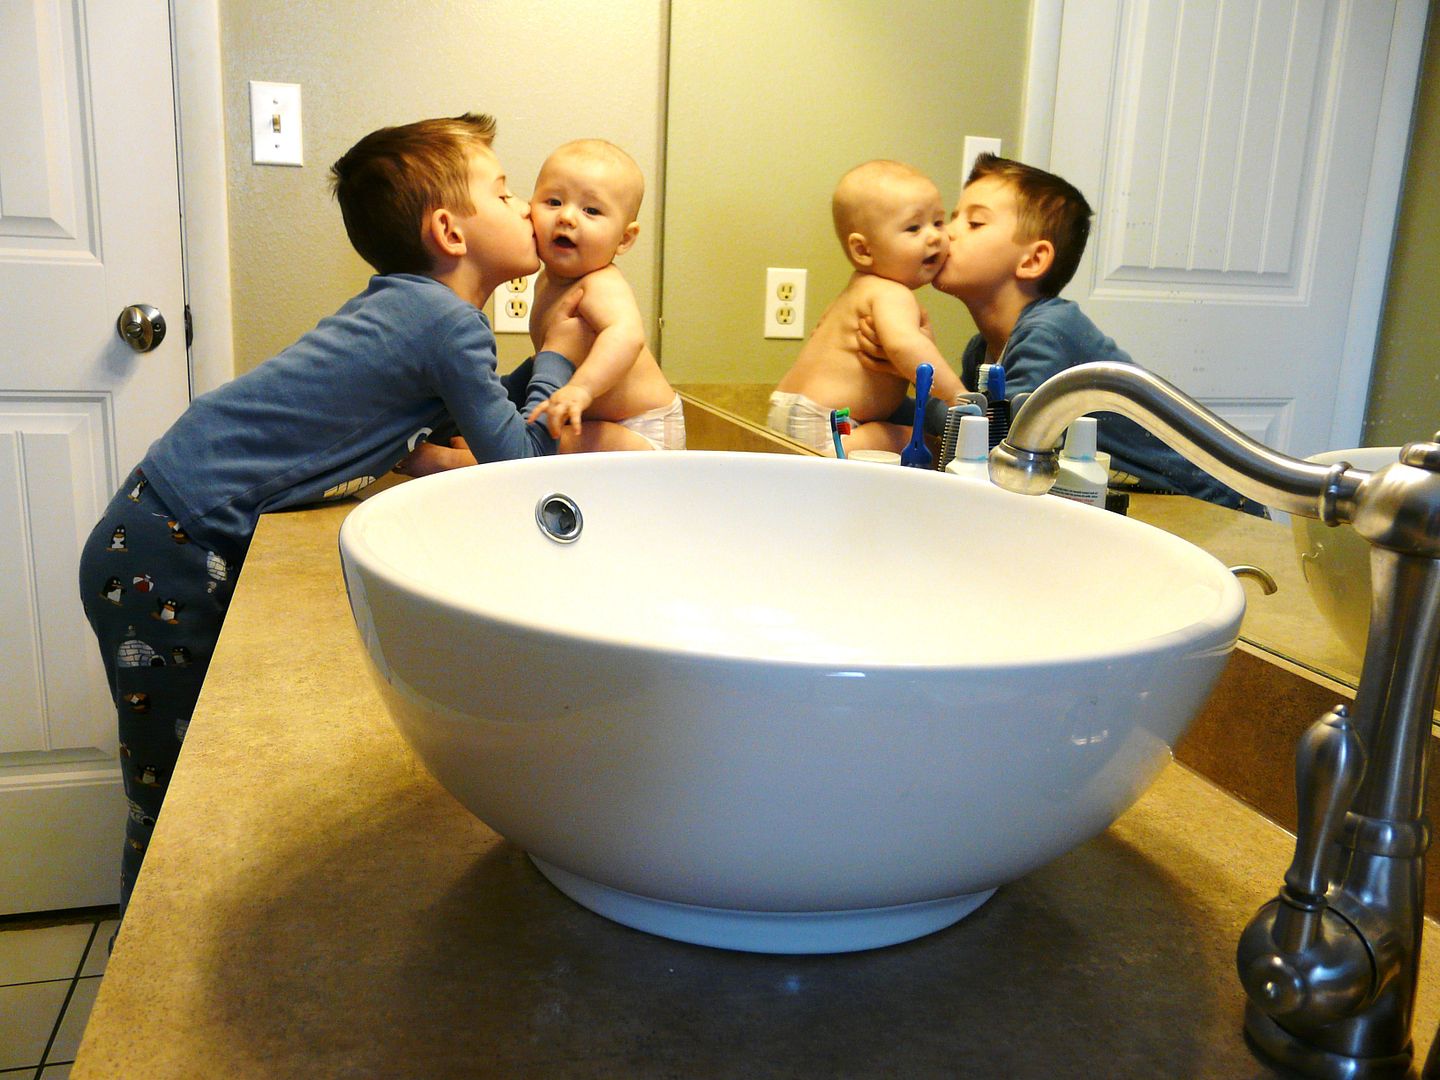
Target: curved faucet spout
1332	964
1027	461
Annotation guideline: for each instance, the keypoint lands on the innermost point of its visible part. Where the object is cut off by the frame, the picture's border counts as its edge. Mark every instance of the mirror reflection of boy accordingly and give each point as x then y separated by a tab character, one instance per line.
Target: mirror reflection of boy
427	205
1015	240
891	223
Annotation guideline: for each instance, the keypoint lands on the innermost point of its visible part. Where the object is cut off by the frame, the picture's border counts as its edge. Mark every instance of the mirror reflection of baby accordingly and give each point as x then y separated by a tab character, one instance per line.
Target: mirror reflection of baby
891	223
586	199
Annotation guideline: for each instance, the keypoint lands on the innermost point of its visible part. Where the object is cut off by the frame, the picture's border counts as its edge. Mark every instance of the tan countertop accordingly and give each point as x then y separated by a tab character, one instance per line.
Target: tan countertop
315	905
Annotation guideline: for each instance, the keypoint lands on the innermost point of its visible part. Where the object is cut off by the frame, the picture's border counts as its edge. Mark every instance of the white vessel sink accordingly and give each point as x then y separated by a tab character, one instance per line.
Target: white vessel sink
777	703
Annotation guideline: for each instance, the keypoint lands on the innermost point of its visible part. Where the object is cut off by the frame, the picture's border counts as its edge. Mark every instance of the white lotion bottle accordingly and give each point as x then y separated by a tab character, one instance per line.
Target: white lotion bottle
1081	478
972	450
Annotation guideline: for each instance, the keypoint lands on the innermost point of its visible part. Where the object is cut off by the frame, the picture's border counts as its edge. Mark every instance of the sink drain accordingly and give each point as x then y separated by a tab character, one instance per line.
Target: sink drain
559	518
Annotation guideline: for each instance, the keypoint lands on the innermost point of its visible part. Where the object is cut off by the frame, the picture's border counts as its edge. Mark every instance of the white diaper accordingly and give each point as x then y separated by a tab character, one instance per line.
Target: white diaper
803	420
662	428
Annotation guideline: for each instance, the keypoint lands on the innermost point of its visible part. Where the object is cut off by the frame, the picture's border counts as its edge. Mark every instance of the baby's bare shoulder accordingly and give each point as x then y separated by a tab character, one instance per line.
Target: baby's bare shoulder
607	296
870	289
607	281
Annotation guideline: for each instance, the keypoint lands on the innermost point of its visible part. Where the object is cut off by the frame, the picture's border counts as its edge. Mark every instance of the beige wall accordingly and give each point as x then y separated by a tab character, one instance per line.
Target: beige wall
548	71
1405	392
769	104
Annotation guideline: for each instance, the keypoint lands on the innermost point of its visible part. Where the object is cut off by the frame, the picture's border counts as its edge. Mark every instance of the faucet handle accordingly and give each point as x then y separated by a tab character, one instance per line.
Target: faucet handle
1329	764
1299	958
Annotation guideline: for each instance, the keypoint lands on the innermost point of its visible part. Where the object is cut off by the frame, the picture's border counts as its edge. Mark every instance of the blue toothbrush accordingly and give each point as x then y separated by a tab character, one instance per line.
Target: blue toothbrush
917	455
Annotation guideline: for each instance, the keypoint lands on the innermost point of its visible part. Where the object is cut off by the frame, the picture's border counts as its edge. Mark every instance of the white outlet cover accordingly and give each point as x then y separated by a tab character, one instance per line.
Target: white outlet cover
275	130
513	302
784	302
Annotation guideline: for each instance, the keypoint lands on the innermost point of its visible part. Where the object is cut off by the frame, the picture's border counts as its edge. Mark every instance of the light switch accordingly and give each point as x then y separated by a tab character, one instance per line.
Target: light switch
275	124
975	145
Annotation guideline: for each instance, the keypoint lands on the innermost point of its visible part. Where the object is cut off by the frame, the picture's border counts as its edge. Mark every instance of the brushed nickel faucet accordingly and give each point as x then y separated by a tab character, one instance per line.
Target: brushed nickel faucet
1330	965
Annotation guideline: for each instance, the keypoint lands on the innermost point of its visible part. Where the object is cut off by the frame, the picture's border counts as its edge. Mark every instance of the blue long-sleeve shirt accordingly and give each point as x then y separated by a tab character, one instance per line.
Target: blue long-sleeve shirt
1052	335
342	406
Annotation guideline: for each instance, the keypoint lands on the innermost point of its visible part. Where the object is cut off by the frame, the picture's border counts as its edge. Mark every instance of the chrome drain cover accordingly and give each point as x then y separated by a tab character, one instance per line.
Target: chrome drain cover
559	518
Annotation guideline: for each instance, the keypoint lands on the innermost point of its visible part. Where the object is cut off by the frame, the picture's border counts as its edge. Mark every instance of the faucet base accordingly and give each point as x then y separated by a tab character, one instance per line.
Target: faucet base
1273	1042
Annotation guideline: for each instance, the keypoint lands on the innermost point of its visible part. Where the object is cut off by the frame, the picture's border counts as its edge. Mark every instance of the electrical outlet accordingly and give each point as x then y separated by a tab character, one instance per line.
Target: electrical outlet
513	302
975	145
784	303
275	135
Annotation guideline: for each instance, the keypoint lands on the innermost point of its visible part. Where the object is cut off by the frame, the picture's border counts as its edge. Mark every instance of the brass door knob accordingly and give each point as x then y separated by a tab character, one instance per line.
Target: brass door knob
141	326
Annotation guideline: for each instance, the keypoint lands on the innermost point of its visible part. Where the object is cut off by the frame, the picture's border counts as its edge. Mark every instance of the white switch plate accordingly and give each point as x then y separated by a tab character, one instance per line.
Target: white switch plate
275	137
975	145
784	302
513	302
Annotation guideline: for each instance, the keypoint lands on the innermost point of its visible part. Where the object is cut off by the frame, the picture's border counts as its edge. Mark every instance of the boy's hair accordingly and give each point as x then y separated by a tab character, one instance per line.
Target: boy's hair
607	152
855	194
1047	207
391	179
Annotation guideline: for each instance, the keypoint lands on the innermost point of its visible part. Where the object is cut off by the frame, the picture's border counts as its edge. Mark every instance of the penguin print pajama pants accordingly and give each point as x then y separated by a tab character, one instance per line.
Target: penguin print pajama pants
156	601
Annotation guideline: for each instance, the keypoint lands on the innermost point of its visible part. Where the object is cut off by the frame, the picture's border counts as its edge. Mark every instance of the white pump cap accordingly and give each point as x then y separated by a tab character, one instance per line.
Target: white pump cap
1080	439
974	439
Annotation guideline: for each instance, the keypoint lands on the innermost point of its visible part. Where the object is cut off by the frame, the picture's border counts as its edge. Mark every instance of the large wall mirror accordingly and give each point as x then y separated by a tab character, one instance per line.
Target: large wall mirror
1235	271
743	115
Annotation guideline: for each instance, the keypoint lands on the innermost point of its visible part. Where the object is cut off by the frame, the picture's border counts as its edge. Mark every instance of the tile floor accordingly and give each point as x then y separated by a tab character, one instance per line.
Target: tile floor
50	970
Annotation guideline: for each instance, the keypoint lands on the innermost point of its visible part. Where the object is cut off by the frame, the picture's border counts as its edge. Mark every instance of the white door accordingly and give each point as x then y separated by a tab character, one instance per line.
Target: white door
89	223
1244	158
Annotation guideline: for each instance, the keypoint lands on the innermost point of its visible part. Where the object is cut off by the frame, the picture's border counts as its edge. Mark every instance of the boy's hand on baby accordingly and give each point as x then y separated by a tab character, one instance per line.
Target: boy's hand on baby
564	408
925	327
871	352
868	340
429	458
567	333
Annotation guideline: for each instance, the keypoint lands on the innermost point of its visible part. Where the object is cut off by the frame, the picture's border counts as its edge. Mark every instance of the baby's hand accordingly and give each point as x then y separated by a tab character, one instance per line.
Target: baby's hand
428	457
567	333
565	407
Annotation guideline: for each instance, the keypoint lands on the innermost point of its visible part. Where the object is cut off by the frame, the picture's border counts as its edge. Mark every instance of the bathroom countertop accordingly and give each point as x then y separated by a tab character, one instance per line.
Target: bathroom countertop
315	905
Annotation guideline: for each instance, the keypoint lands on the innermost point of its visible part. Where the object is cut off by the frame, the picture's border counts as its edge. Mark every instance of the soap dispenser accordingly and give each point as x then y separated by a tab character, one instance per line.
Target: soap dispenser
972	450
1081	478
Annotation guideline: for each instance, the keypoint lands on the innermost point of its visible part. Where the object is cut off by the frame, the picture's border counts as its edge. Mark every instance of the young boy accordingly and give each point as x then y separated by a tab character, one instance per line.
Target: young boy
1016	238
427	206
584	208
891	223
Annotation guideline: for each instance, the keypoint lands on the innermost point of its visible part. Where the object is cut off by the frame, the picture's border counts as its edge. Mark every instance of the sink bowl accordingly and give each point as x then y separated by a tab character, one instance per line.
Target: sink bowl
776	703
1336	561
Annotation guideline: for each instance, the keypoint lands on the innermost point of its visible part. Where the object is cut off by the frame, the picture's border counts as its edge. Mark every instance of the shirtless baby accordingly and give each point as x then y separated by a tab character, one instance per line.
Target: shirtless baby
584	208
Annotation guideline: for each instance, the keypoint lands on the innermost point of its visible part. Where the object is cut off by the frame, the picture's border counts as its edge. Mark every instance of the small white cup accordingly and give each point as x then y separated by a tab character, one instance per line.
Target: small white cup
882	457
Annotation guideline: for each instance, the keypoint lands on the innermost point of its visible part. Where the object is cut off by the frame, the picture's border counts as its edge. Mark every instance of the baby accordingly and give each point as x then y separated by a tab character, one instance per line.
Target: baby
584	207
891	222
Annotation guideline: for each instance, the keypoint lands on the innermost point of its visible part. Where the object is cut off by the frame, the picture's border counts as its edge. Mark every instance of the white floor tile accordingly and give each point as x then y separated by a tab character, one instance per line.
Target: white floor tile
67	1039
50	952
100	948
55	1072
27	1016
